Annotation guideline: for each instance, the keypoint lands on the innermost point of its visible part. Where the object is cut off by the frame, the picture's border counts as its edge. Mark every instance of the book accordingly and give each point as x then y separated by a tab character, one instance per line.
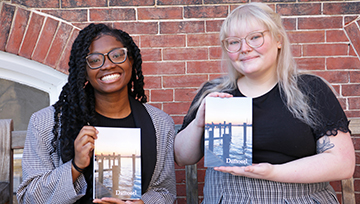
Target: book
117	163
228	131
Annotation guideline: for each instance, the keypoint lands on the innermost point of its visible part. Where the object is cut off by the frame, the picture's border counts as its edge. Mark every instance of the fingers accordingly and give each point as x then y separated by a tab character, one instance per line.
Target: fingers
84	145
221	95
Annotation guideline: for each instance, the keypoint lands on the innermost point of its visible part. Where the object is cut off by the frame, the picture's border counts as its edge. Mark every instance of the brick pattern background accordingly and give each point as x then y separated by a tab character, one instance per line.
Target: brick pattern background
180	46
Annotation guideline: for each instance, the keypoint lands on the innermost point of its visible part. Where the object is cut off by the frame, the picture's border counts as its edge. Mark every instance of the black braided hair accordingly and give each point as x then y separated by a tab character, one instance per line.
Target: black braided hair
76	105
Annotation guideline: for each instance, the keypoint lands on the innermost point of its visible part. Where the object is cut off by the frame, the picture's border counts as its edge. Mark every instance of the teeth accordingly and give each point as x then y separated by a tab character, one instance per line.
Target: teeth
110	77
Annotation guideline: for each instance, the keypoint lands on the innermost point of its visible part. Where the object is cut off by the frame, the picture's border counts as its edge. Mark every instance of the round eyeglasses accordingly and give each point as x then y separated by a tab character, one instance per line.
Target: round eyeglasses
254	40
116	56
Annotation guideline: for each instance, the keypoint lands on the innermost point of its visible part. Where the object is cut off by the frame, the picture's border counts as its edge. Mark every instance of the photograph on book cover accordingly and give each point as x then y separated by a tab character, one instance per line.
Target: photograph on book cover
228	132
117	163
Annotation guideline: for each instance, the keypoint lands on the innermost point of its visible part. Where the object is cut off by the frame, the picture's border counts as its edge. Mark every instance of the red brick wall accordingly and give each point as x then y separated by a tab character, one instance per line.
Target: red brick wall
180	48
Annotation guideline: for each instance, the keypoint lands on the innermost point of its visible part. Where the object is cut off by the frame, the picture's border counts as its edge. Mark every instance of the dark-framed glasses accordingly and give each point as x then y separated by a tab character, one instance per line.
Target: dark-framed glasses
253	39
116	56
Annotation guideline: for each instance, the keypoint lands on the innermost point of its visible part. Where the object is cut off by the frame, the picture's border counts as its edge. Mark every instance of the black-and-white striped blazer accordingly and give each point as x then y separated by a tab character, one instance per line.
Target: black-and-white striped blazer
46	179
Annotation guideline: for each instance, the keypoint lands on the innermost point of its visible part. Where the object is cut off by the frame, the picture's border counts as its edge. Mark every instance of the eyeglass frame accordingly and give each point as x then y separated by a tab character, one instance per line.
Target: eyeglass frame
240	40
106	54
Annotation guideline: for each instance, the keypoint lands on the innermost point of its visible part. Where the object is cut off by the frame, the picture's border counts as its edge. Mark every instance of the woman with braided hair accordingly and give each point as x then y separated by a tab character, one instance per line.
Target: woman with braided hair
104	88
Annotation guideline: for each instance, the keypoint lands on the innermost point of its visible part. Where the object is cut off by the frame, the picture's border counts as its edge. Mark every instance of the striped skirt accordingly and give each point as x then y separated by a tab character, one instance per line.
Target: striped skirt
224	188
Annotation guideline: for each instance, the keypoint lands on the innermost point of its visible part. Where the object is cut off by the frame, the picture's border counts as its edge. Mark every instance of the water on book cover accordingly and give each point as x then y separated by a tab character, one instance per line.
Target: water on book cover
239	154
129	186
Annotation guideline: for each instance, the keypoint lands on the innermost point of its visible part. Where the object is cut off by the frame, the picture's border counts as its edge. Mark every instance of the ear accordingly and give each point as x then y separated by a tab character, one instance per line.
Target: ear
279	42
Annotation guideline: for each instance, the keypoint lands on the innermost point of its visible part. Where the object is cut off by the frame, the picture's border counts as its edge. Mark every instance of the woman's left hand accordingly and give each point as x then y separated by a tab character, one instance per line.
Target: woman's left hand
259	171
117	201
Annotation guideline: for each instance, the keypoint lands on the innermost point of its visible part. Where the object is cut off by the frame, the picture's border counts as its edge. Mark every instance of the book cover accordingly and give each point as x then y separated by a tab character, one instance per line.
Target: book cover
117	163
228	132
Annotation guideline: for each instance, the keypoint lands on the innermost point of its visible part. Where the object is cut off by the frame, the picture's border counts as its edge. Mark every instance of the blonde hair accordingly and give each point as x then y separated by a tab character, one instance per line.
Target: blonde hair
287	72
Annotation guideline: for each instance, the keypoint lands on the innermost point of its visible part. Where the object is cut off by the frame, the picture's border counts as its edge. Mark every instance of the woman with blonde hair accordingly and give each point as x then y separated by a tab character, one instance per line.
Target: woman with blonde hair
301	139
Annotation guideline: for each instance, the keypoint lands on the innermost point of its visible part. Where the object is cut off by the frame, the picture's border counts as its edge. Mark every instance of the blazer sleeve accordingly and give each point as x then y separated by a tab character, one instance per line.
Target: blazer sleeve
162	188
45	178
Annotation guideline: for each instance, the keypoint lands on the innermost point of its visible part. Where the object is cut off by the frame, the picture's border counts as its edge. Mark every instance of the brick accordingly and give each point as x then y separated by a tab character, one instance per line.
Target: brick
185	94
320	22
45	39
37	4
289	23
6	17
306	36
131	2
18	29
182	27
176	108
351	51
334	76
224	2
114	14
213	25
152	82
215	52
178	120
160	13
137	27
63	65
203	39
204	67
162	41
272	6
178	2
351	89
162	95
83	3
354	103
354	76
352	113
180	176
336	36
311	63
181	81
349	19
77	15
186	54
341	8
215	76
156	105
325	49
180	189
58	44
343	63
31	36
205	11
81	25
298	9
296	50
354	34
150	54
160	68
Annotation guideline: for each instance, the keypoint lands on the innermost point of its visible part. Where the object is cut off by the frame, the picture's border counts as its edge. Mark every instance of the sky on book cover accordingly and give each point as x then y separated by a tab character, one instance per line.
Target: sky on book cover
118	141
236	110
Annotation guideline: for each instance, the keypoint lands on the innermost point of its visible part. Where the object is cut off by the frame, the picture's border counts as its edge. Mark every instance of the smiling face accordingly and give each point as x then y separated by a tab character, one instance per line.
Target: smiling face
255	62
110	78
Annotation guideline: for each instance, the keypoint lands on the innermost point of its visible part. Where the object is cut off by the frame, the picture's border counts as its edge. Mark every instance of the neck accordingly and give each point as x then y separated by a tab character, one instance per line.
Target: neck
255	87
113	106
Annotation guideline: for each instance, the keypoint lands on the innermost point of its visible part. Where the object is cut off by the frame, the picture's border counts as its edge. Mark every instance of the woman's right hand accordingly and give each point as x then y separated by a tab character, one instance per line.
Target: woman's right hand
200	114
84	146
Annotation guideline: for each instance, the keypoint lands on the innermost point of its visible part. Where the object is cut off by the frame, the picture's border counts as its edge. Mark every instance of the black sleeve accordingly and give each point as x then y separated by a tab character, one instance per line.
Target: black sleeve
330	113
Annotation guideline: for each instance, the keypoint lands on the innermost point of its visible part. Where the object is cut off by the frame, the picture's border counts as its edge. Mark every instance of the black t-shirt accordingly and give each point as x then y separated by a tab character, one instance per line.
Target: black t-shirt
279	137
147	167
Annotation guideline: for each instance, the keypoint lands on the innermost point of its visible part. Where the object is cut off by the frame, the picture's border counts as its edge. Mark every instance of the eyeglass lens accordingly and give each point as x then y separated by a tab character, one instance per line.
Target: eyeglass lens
116	56
254	40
